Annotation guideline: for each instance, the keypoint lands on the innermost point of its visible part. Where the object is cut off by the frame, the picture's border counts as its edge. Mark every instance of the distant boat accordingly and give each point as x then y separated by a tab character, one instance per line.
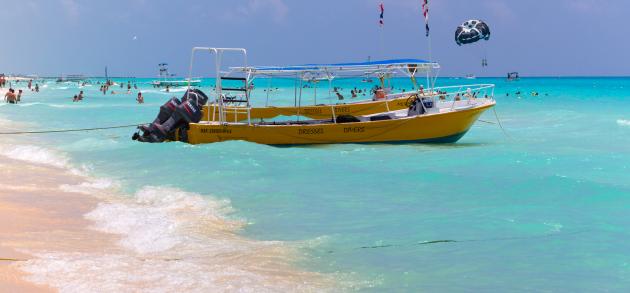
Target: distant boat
166	79
470	76
511	76
71	77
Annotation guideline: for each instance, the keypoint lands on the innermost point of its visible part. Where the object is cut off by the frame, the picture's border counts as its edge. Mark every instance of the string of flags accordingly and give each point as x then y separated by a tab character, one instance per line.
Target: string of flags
382	8
425	12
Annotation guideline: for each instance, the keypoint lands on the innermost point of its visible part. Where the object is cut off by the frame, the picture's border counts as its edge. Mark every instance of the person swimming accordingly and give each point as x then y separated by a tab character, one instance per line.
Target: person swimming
339	96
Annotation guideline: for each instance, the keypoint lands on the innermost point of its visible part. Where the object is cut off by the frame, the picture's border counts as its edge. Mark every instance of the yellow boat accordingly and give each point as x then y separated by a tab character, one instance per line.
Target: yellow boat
437	115
446	125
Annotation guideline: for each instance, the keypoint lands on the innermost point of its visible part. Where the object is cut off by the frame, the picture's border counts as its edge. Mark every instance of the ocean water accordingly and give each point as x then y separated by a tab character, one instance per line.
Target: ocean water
544	205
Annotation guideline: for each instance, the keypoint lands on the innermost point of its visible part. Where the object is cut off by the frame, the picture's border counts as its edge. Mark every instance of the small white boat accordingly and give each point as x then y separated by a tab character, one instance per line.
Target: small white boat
166	79
470	76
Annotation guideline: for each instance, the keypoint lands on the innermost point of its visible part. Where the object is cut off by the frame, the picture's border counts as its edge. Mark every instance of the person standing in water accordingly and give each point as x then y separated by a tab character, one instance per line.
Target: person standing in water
37	88
19	96
9	97
140	98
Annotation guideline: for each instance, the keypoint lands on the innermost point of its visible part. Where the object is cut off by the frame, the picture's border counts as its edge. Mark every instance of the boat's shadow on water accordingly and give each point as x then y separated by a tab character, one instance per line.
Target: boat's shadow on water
419	146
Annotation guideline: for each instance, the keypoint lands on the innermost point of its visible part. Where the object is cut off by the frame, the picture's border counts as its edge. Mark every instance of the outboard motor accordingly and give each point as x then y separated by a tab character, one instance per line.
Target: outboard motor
166	111
173	116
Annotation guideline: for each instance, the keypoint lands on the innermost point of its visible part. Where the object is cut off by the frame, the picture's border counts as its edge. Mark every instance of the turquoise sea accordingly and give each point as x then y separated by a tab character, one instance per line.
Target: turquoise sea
545	207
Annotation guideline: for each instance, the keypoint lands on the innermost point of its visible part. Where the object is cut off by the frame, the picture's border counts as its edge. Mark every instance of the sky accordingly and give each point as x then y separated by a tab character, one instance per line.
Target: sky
534	37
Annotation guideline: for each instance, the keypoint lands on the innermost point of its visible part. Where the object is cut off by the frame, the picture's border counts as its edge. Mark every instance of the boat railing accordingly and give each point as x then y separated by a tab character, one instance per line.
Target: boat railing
470	93
449	94
220	102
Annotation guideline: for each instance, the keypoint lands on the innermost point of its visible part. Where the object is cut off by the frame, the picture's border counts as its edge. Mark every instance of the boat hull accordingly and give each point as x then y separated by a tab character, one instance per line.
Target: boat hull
445	127
234	114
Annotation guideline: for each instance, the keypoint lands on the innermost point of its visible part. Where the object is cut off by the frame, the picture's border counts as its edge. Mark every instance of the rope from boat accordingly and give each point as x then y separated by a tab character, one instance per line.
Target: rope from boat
12	259
485	121
71	130
442	241
499	122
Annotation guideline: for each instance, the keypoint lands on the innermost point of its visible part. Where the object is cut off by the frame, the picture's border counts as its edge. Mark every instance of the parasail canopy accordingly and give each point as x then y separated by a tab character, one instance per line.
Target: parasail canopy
472	31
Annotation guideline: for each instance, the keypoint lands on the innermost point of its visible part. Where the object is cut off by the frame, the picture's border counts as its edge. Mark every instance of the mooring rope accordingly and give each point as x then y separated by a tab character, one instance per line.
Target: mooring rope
485	121
12	259
499	122
417	243
71	130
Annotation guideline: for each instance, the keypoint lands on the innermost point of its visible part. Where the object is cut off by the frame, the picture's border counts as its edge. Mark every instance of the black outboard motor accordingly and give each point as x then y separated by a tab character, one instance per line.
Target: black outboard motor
173	116
189	111
166	111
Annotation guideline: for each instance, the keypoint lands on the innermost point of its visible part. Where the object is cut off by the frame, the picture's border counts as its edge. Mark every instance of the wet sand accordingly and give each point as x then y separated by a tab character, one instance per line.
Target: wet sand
36	216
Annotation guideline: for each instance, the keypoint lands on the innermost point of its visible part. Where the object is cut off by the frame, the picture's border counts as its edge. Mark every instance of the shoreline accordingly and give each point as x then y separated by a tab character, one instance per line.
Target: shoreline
40	219
72	232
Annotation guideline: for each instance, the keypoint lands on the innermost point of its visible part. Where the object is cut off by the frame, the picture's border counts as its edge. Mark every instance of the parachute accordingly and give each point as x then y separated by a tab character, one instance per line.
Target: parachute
472	31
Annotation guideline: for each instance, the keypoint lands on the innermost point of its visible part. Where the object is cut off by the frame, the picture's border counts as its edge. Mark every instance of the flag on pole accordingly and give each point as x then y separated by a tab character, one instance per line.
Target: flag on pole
381	23
425	12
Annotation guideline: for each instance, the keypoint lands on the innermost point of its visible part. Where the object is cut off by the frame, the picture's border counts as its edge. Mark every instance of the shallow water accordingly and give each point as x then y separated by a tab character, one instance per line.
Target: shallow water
544	207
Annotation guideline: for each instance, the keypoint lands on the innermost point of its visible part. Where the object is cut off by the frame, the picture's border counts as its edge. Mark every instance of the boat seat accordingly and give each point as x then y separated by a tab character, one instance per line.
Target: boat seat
380	117
233	78
234	101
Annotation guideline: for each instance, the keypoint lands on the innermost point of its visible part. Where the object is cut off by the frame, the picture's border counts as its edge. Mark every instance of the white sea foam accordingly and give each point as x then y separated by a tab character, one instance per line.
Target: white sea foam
81	272
171	240
623	122
92	186
35	154
151	222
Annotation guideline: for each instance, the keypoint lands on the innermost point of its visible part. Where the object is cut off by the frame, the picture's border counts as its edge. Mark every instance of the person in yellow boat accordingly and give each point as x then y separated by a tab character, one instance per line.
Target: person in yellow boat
379	94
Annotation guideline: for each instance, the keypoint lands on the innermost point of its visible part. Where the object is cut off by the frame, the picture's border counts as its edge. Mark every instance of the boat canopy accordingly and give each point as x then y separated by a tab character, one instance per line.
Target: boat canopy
406	66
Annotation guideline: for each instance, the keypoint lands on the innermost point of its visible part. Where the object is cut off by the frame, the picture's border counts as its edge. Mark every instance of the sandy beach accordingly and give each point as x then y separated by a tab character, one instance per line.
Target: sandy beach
61	230
37	216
